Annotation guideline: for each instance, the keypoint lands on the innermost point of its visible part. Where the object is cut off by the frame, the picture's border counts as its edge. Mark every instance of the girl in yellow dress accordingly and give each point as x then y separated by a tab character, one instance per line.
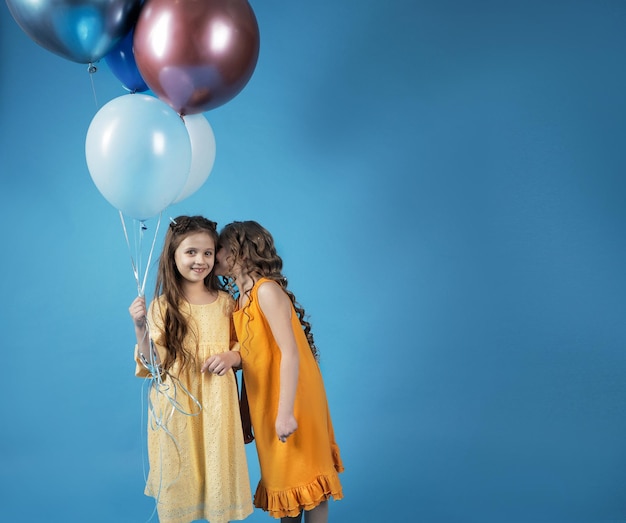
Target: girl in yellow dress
298	455
185	346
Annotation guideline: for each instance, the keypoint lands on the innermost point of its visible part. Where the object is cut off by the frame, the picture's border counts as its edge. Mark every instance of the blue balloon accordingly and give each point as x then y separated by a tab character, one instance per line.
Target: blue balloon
138	153
80	30
121	61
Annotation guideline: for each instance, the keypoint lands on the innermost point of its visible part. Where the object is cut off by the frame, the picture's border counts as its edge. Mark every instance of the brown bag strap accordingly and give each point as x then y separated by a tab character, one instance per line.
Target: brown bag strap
244	410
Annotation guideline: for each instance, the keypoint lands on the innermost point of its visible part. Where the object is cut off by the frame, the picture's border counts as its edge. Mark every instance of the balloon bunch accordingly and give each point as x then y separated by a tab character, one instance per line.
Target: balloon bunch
143	152
146	152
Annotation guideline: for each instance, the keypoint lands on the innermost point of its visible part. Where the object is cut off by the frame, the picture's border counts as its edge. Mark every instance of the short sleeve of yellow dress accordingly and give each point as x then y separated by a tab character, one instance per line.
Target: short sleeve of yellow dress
302	472
198	467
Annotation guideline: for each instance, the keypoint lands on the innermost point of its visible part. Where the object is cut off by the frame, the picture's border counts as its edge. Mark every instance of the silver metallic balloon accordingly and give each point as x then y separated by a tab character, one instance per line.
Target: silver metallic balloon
80	30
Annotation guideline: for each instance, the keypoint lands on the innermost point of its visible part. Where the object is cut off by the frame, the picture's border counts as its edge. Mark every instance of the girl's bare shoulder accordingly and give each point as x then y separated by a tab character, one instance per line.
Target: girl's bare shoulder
271	294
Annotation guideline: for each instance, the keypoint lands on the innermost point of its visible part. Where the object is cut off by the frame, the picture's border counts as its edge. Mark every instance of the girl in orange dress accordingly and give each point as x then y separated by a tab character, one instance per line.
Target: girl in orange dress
198	467
298	455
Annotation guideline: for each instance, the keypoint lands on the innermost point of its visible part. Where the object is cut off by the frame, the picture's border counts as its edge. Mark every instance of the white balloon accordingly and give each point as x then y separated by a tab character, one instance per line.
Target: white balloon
138	153
202	153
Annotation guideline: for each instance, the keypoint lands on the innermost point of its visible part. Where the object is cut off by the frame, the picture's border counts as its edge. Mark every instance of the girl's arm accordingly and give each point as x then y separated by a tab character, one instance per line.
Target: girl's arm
138	313
221	363
276	307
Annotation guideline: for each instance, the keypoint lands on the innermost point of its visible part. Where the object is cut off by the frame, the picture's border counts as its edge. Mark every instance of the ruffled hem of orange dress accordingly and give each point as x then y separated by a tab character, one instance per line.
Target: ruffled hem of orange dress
289	503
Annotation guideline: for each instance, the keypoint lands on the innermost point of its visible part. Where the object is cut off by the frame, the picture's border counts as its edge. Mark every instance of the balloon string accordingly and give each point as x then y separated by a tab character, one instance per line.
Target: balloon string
158	418
91	68
132	260
168	391
136	266
156	231
167	388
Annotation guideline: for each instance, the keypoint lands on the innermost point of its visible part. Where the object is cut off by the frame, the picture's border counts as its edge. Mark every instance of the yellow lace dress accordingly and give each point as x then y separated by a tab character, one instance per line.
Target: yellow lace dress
198	467
302	472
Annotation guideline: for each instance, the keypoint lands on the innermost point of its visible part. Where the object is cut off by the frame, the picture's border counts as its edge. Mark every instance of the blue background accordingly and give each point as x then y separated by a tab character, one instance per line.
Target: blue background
445	182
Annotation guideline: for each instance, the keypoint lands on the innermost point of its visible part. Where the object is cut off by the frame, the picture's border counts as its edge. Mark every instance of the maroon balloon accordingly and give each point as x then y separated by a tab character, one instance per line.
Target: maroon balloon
196	55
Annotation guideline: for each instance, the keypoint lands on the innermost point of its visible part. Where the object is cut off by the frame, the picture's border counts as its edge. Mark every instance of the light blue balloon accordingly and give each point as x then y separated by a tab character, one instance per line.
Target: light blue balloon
80	30
138	153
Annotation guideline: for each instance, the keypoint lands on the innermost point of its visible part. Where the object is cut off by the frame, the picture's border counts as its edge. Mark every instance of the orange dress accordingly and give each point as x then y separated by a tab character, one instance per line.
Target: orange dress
302	472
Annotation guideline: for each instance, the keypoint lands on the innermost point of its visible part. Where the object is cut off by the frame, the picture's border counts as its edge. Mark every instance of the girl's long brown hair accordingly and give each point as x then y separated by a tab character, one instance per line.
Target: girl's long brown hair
252	246
169	286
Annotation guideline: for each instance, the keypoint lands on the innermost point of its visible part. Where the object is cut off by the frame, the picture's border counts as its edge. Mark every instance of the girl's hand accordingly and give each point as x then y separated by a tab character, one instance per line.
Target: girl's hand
220	364
137	311
285	426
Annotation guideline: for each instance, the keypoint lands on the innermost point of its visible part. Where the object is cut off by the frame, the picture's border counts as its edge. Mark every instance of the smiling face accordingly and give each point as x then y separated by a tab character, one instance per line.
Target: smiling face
195	257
